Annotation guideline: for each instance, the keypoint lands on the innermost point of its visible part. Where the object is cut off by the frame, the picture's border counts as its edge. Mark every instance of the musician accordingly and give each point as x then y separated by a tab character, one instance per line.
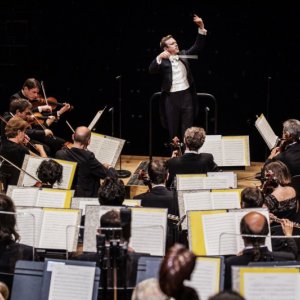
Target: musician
176	267
13	148
112	190
253	223
179	99
159	195
280	196
10	248
89	170
191	162
31	91
49	172
289	151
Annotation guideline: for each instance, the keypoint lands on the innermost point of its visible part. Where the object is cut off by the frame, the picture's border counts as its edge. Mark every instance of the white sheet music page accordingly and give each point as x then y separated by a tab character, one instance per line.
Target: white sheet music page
231	177
69	282
266	131
51	198
95	119
54	229
200	200
270	283
29	221
236	151
226	199
205	278
213	226
24	196
212	145
186	182
32	165
148	230
106	149
216	183
69	168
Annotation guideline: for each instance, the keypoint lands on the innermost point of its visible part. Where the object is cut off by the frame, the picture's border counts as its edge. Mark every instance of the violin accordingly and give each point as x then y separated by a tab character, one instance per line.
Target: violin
270	182
50	101
143	175
176	146
37	119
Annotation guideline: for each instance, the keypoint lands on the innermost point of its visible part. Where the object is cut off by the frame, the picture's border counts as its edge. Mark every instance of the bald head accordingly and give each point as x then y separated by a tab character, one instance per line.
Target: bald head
254	223
82	135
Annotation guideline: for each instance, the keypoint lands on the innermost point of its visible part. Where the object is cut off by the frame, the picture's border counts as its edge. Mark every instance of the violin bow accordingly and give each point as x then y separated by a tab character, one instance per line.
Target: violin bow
20	169
44	92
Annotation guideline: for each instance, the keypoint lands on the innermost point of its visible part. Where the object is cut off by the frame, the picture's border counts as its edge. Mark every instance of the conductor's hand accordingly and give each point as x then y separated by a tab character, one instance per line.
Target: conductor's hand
164	55
198	21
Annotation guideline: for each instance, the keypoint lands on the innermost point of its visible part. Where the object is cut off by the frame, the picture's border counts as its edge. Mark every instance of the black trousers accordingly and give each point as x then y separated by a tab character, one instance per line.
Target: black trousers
179	112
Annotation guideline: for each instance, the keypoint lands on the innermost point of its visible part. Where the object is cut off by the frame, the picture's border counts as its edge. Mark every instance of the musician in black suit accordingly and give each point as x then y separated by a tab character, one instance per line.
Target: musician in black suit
159	195
253	223
191	162
179	99
289	152
89	170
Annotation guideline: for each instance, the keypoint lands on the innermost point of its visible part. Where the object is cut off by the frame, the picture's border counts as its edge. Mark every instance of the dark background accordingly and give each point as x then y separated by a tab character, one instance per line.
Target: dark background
250	62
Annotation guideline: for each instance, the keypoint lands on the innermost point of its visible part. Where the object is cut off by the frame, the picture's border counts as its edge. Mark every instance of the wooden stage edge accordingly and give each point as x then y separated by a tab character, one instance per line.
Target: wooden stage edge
246	178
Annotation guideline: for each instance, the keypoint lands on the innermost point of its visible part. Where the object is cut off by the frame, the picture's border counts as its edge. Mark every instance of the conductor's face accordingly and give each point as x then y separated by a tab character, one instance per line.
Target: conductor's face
171	46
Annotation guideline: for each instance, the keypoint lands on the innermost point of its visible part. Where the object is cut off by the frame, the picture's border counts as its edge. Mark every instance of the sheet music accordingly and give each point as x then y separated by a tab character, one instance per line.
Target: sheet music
106	149
231	177
212	145
24	196
200	200
53	198
213	226
132	202
54	229
31	164
216	183
190	182
266	131
236	151
69	282
29	223
69	168
81	203
270	283
148	230
96	118
226	200
205	278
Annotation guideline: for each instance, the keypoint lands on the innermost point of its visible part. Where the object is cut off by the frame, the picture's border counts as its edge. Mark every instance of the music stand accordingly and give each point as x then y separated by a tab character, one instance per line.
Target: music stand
121	173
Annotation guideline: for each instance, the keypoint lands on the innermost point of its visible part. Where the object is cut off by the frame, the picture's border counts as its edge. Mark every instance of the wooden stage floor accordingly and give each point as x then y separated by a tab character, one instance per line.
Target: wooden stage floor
246	178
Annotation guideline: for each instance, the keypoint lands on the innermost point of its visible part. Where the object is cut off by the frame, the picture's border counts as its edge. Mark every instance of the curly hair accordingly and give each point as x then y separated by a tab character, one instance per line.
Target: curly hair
194	138
7	221
111	191
177	266
50	171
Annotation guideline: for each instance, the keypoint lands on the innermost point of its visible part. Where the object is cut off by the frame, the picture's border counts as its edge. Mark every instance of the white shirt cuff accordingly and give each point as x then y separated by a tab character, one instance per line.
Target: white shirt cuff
40	109
158	60
202	31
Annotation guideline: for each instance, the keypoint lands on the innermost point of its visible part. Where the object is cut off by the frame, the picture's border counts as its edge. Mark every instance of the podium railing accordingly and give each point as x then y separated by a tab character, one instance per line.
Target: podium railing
200	95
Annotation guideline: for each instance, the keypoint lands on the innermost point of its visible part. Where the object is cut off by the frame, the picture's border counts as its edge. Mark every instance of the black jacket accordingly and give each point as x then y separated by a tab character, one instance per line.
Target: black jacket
89	171
190	163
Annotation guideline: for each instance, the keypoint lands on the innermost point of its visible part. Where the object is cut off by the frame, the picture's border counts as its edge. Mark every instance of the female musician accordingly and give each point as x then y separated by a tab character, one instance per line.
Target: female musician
280	196
10	249
13	148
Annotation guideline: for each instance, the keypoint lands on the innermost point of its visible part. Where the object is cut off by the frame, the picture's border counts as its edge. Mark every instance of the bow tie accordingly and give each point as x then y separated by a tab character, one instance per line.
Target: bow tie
174	58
